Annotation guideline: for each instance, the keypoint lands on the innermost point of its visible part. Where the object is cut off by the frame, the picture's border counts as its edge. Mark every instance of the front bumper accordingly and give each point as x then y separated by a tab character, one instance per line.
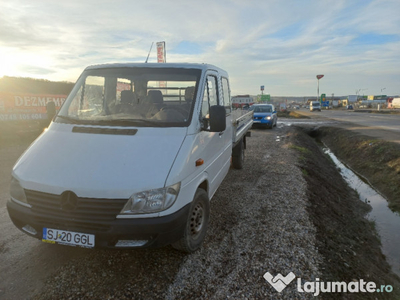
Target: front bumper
262	121
159	231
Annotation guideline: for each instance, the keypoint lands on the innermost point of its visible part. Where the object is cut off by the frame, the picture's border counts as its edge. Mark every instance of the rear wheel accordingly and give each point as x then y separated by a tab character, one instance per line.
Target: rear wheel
197	224
238	155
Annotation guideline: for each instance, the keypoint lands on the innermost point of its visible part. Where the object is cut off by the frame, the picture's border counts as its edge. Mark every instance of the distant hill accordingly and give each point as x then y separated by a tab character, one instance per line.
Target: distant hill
34	86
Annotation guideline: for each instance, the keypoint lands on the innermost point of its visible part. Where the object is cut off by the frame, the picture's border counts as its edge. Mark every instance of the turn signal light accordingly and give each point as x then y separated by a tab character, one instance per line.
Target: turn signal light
199	162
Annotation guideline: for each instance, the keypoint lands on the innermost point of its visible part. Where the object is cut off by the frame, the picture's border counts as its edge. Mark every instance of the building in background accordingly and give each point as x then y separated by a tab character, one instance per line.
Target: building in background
242	100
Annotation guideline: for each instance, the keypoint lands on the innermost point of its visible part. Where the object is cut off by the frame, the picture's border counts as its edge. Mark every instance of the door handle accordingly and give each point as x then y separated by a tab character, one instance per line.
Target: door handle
221	133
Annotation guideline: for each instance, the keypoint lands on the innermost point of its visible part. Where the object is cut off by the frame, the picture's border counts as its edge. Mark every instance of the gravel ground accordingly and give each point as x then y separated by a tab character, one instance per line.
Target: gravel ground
259	223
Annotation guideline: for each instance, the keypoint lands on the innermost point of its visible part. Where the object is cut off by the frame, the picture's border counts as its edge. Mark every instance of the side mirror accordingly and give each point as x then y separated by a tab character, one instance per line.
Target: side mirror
217	118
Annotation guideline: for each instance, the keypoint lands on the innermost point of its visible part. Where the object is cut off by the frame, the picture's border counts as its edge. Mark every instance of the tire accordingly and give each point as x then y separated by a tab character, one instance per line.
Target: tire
197	224
238	155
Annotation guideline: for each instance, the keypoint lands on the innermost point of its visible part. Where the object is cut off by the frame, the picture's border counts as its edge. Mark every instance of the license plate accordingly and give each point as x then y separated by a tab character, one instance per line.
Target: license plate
56	236
256	121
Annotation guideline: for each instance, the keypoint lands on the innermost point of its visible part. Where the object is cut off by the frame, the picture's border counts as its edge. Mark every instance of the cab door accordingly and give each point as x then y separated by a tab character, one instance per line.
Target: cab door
214	143
225	100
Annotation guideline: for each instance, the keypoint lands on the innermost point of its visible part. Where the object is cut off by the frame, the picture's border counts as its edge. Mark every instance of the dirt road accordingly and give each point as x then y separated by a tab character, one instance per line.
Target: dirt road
381	126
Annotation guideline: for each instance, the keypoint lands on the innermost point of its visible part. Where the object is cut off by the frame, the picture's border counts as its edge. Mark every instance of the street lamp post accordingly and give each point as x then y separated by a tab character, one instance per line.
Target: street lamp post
318	78
262	93
363	92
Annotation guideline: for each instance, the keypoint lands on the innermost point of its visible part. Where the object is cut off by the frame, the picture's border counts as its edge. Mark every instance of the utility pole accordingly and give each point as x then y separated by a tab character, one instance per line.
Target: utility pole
318	78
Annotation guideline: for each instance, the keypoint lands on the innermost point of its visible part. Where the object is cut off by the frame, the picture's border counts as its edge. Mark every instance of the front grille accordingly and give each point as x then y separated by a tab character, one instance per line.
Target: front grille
88	213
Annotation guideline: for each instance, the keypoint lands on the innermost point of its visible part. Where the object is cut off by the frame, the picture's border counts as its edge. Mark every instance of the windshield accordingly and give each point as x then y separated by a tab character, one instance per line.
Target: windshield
126	96
265	108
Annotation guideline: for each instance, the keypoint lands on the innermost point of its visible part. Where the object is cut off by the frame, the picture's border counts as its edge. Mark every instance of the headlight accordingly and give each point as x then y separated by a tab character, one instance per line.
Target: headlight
17	193
152	201
268	118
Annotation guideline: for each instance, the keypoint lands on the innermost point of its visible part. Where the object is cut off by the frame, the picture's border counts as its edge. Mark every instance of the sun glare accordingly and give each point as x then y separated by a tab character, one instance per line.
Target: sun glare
13	62
8	64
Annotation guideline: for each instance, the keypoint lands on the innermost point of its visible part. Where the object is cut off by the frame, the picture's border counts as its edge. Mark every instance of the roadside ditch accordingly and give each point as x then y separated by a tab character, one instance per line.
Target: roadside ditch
386	221
347	240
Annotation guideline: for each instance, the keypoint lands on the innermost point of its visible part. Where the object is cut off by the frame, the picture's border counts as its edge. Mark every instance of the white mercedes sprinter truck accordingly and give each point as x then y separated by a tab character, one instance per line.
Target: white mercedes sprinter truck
132	158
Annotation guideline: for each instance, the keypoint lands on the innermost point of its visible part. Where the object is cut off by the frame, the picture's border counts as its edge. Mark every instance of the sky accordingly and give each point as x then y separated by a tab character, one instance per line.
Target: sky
281	44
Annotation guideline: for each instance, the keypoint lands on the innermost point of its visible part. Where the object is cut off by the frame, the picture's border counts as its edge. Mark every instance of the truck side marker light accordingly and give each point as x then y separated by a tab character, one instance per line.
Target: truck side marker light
199	162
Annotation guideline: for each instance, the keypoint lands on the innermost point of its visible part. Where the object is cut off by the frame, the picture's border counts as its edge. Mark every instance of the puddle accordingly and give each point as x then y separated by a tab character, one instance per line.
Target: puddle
387	222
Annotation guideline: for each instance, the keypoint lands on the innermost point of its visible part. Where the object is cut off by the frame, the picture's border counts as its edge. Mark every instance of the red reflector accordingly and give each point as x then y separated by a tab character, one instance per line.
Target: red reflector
199	162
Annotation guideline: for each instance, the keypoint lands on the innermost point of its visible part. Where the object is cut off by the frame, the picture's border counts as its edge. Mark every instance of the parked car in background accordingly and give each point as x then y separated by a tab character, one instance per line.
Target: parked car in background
264	114
315	105
349	107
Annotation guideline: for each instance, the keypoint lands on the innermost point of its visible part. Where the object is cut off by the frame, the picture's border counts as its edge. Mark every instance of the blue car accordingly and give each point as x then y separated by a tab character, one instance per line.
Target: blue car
264	115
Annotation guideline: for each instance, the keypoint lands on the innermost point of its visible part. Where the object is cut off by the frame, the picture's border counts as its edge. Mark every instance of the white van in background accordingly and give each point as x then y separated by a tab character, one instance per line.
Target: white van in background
315	105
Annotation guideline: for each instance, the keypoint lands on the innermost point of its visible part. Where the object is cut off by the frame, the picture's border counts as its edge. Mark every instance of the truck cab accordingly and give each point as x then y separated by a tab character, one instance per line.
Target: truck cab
132	159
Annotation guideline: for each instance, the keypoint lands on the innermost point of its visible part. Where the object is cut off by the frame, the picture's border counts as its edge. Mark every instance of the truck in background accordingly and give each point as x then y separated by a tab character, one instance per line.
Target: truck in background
27	104
393	103
129	162
241	101
352	99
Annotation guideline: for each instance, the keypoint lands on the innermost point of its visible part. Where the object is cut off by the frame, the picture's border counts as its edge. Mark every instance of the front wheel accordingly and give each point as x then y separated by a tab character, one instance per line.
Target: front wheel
197	224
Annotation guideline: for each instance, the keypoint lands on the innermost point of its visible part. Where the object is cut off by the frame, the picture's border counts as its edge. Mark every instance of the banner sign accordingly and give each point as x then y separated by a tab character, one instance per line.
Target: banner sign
161	58
14	107
161	55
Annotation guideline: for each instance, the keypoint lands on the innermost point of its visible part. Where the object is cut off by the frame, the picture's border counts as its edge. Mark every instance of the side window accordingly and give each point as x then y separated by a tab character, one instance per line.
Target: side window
210	96
213	90
226	101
